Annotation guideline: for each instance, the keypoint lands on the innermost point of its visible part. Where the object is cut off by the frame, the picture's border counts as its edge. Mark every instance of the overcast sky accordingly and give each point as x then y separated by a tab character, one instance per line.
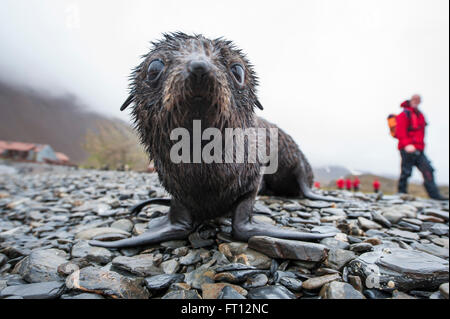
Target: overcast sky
330	71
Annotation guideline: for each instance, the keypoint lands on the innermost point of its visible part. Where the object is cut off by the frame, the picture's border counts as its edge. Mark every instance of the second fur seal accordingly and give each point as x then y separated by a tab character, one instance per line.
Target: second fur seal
186	78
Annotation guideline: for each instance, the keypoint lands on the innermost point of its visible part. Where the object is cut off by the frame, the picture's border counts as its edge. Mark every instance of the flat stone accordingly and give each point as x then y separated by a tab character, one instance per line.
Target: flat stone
403	233
241	253
236	276
292	284
106	283
191	258
182	294
82	296
41	290
334	243
41	265
401	269
170	266
340	290
201	275
141	265
380	219
338	258
361	247
271	292
229	292
288	249
431	249
368	224
123	224
441	242
89	234
318	282
255	281
213	290
437	213
444	290
396	212
99	255
163	281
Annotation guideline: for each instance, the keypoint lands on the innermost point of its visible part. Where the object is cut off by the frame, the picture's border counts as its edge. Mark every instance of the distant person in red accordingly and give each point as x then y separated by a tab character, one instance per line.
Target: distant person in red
356	183
376	186
340	183
317	185
410	132
348	184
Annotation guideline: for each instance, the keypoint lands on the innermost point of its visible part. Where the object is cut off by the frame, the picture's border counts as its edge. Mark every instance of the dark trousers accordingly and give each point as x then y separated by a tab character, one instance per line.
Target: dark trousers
418	159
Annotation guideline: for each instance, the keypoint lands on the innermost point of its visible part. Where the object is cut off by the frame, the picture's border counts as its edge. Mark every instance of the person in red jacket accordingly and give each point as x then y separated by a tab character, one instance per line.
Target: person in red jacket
410	132
340	183
376	186
317	185
356	183
348	184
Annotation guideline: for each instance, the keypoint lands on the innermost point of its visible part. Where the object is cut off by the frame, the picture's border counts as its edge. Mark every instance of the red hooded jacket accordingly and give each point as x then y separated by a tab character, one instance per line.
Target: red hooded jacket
410	131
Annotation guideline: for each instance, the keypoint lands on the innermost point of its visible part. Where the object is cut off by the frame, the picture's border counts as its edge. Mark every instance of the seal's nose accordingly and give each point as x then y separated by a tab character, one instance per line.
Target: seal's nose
198	68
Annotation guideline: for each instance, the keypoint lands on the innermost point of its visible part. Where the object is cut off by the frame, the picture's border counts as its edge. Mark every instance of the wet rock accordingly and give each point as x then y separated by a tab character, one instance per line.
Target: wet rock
201	275
403	234
229	293
340	290
437	213
41	265
431	249
213	290
191	258
356	282
197	241
170	266
396	212
401	295
361	247
288	249
95	232
182	294
334	243
106	283
318	282
160	282
255	281
241	253
400	269
380	219
142	265
338	258
123	224
41	290
271	292
236	276
367	224
444	290
3	259
443	242
291	283
82	296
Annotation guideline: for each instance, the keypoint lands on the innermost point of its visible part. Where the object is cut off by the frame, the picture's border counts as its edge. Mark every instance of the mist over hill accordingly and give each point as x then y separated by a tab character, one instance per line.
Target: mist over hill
30	116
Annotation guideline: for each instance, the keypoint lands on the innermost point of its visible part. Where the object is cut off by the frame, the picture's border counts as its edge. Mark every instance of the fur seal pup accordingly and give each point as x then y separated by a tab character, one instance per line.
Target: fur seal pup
186	78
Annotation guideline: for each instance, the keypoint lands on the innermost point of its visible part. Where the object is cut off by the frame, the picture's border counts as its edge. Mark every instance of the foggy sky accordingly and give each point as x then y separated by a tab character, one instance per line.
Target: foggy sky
330	71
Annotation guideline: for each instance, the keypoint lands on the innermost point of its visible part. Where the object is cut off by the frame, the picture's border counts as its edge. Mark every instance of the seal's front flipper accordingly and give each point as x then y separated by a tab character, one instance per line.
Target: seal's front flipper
308	193
176	225
243	227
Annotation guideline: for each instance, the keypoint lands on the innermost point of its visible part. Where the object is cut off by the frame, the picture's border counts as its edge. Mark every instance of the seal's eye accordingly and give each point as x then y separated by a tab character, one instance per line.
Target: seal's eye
154	70
239	74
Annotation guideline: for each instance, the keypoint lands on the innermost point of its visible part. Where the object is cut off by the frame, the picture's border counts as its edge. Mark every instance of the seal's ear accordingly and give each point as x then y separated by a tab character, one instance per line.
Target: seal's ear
127	102
259	105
